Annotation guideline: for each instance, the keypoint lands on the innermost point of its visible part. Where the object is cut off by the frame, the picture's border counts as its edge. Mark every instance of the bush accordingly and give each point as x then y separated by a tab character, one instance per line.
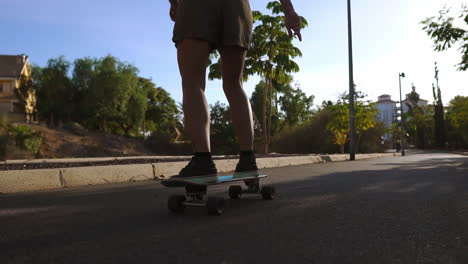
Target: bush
26	138
310	137
163	145
18	141
371	140
75	128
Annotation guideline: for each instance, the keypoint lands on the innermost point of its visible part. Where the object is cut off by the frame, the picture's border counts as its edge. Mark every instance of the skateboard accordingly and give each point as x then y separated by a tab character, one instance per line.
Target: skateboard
196	190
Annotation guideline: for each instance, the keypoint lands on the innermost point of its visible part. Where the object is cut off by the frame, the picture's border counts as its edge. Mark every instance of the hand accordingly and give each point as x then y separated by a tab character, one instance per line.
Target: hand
293	23
173	12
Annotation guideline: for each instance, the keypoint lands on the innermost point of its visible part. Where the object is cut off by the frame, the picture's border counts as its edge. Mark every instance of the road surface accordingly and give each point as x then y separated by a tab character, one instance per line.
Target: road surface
411	209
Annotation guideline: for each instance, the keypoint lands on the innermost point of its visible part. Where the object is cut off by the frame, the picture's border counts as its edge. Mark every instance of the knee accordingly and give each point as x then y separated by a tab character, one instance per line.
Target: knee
232	86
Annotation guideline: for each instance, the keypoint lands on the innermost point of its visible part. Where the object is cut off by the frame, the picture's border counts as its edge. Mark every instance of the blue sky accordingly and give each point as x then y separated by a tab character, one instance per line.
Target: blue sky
387	39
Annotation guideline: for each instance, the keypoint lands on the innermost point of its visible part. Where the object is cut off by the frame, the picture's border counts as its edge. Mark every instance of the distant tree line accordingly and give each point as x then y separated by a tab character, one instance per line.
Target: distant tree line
103	94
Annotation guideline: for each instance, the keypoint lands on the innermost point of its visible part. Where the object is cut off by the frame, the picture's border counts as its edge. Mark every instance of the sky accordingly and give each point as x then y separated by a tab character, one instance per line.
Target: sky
387	38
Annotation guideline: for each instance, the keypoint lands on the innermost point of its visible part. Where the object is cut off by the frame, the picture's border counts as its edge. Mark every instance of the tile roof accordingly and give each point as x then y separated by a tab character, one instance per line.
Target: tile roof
11	66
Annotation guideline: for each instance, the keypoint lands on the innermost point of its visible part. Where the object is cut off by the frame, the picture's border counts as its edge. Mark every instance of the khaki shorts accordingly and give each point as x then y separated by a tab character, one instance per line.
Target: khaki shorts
220	22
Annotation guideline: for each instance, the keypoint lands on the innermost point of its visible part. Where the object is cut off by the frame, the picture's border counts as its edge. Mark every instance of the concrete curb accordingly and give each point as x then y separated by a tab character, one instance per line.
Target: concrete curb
46	179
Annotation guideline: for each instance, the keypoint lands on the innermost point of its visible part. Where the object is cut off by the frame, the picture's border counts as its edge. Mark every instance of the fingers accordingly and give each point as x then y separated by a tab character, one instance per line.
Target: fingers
297	32
290	33
299	36
172	14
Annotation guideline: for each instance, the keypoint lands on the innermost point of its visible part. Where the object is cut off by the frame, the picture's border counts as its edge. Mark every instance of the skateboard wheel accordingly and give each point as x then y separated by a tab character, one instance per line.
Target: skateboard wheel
215	205
235	191
176	203
268	192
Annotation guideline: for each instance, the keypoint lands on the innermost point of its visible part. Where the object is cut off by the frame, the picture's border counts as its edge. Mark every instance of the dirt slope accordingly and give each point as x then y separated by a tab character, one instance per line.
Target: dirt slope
60	143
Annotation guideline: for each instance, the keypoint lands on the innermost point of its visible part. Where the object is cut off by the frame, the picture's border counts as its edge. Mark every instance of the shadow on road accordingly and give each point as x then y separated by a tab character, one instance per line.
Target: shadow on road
407	210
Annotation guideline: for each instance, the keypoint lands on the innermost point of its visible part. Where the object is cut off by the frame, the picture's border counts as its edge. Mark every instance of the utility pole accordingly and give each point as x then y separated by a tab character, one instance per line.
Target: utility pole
402	120
352	123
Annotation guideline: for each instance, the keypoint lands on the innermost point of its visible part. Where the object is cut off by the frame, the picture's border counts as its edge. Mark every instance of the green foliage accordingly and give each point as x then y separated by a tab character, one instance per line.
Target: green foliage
54	91
14	138
372	139
420	126
25	89
222	133
296	106
457	117
104	94
445	34
339	124
26	138
162	115
308	137
439	118
365	118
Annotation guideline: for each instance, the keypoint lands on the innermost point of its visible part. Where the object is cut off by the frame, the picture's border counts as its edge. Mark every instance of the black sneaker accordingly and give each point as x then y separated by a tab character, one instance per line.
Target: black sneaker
247	163
199	166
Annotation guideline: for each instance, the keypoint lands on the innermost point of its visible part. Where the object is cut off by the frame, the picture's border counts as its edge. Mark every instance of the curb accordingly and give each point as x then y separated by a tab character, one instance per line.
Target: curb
15	181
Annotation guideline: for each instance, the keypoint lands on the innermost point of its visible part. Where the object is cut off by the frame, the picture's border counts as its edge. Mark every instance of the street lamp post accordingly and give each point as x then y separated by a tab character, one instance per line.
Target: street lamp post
402	121
352	124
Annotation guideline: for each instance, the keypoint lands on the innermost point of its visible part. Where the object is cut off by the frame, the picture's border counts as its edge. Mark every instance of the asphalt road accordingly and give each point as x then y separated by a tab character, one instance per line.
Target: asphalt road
411	209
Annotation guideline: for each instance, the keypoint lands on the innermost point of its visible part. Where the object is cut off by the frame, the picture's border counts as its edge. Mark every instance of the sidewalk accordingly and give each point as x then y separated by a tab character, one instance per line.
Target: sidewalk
67	173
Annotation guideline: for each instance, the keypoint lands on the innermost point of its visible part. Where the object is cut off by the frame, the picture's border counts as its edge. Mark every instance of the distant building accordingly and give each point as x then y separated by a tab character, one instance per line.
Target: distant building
12	67
387	112
406	102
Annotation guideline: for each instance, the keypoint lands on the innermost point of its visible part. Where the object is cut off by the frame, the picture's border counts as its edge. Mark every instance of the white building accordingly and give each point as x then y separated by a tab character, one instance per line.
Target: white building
387	111
406	102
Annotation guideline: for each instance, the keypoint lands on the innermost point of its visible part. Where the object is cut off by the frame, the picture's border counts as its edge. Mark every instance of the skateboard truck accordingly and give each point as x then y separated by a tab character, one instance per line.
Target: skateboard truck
196	191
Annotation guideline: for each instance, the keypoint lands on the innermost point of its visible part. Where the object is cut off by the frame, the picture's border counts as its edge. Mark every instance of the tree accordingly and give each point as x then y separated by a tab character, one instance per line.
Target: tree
270	56
222	131
54	91
162	114
26	94
418	121
366	118
339	124
444	32
296	106
83	76
439	119
457	116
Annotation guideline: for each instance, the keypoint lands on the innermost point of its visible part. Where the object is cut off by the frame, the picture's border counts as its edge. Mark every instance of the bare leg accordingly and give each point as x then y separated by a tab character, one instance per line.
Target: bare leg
232	66
193	56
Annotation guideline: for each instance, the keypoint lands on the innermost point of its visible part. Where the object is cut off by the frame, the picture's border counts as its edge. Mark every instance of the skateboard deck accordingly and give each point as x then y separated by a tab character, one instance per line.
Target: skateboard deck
211	179
196	190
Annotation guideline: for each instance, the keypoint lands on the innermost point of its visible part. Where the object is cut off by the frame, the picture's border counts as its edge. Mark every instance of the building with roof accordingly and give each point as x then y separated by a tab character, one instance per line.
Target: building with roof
389	112
15	109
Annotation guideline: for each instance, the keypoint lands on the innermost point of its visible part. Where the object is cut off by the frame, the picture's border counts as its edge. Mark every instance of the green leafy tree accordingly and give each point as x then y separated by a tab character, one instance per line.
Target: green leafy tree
418	122
365	116
256	101
222	131
26	94
439	118
83	76
54	91
162	114
339	124
457	116
296	106
444	32
118	103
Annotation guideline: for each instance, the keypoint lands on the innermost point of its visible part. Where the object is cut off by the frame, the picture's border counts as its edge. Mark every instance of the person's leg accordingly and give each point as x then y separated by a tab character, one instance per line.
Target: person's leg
232	66
193	56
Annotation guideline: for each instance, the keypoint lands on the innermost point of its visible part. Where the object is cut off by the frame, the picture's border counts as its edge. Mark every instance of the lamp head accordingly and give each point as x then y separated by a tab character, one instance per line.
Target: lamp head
402	74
